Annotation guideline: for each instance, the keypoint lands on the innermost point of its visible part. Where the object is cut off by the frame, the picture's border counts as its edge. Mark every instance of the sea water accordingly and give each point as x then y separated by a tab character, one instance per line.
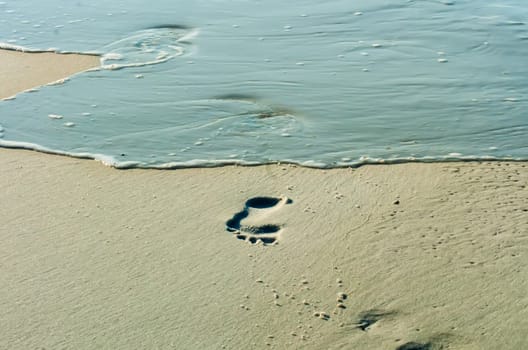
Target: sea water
317	83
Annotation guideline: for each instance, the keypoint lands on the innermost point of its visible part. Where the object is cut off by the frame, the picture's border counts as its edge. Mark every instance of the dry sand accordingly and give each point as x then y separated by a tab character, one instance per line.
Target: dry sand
97	258
20	71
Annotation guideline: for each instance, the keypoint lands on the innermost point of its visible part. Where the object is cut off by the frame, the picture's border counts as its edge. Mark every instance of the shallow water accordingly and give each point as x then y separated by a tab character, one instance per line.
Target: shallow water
336	83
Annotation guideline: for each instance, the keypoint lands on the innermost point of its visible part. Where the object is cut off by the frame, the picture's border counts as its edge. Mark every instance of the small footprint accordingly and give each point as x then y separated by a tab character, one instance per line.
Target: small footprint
257	209
414	346
369	317
436	342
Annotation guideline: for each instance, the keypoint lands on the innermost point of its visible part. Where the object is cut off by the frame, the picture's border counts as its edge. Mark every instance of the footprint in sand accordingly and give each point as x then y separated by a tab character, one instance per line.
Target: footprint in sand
256	211
415	346
369	317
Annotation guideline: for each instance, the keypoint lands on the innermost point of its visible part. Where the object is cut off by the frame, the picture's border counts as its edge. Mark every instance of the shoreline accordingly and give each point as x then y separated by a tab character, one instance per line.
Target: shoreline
108	160
23	71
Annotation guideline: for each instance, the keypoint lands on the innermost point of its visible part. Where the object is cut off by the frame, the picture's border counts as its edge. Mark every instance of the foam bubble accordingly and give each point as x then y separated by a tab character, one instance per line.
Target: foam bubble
58	82
112	56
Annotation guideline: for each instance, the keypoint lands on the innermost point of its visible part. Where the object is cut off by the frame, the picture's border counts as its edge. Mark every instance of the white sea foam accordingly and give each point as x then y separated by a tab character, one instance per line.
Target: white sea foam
10	46
111	56
107	160
147	47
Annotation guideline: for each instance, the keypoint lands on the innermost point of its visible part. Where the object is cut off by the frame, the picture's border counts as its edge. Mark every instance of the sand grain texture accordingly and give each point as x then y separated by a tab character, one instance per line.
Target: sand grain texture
97	258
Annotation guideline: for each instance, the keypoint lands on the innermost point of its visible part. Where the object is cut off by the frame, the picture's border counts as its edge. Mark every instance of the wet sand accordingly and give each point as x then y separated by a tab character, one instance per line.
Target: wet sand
20	71
408	256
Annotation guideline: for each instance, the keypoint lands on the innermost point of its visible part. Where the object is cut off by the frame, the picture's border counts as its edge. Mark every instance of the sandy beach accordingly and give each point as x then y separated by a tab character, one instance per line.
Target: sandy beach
397	257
